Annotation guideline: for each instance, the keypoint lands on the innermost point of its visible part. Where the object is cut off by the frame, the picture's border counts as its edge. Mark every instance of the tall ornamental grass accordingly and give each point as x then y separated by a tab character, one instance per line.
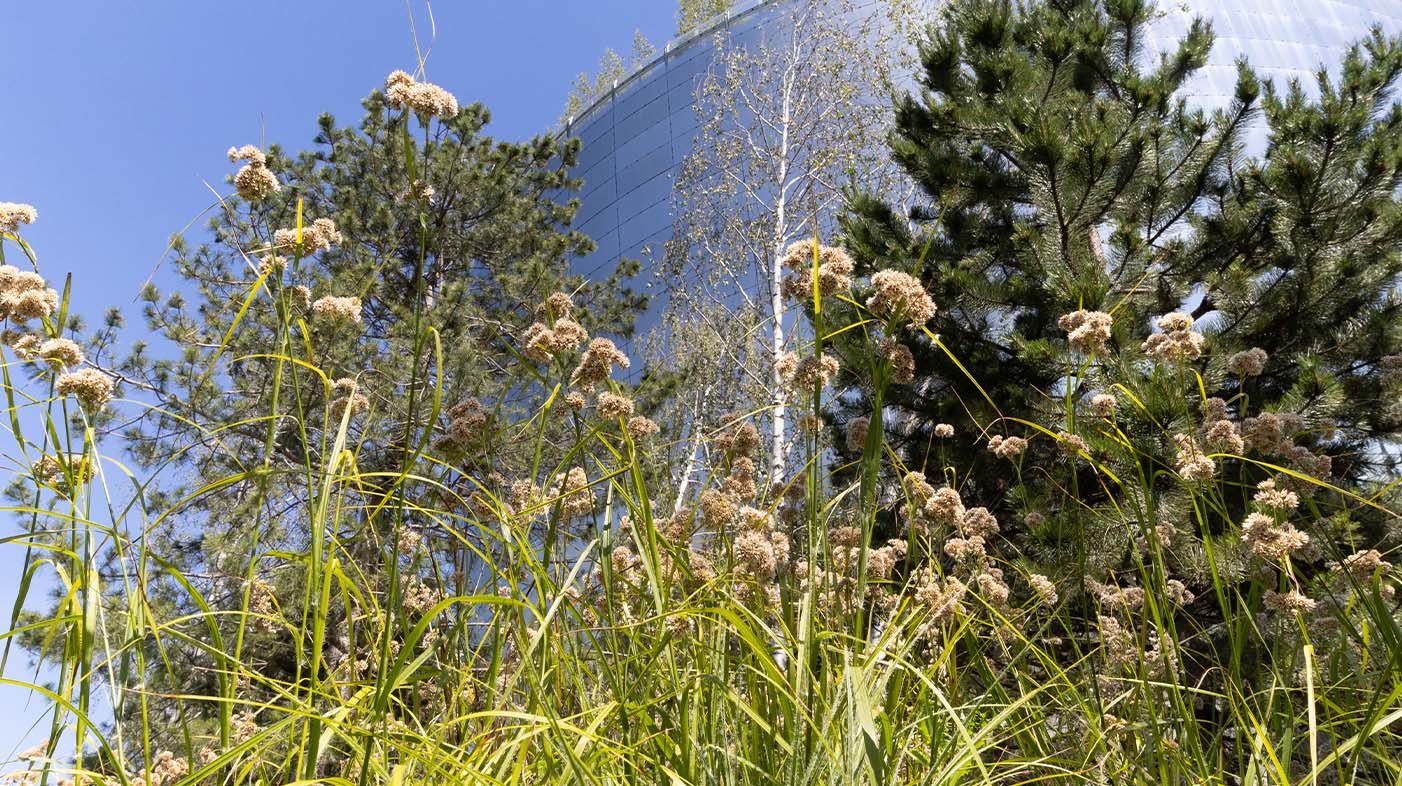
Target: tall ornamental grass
581	622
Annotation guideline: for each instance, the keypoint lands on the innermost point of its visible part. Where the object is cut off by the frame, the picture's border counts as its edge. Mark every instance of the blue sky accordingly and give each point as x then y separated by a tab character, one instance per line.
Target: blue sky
117	116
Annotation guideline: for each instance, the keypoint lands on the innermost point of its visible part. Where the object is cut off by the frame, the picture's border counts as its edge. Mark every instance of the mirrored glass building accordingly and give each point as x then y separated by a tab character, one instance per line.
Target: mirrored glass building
636	137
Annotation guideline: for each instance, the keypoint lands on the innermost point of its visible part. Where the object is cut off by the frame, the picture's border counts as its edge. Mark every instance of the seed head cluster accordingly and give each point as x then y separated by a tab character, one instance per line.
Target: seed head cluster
25	295
899	297
857	434
12	214
801	374
1361	566
1270	539
1006	447
424	98
640	428
1249	363
1218	432
467	421
1177	343
91	387
1192	464
254	182
1103	405
901	360
1291	602
337	308
61	353
319	235
834	270
572	491
612	406
596	365
1087	331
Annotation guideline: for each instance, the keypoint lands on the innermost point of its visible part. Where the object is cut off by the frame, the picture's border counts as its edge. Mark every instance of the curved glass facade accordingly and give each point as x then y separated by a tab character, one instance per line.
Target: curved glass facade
635	138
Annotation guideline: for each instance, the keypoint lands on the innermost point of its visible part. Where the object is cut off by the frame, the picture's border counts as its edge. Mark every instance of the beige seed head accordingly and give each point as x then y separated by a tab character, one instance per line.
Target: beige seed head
91	387
341	308
256	182
900	297
62	353
12	214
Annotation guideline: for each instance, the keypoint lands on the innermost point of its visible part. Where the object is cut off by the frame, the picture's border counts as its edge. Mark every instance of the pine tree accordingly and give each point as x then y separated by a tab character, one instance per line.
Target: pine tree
1064	172
450	240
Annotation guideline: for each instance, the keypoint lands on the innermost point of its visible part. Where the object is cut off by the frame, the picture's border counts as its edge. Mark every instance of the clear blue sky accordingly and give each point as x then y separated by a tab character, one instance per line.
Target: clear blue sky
117	114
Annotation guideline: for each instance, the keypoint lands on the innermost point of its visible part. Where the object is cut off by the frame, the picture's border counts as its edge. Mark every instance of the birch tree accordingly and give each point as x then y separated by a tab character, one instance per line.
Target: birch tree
789	126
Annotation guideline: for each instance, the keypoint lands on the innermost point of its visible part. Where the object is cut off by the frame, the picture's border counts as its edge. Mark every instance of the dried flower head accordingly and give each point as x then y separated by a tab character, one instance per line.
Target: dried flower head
801	375
249	153
1292	602
1249	363
558	306
255	182
12	214
945	506
1177	343
964	549
302	297
1071	445
572	490
1103	405
640	428
900	298
55	470
992	587
425	98
978	521
857	434
612	406
1178	593
430	100
1043	588
1087	331
597	364
91	387
25	345
61	353
901	360
25	295
1269	539
737	436
1269	495
418	191
754	554
1221	435
1006	447
331	307
353	403
271	265
1192	464
718	509
943	430
834	270
319	235
1362	565
942	598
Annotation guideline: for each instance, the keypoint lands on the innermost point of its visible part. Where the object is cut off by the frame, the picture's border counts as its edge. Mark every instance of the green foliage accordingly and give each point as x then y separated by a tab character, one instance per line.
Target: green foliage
1062	172
691	14
479	571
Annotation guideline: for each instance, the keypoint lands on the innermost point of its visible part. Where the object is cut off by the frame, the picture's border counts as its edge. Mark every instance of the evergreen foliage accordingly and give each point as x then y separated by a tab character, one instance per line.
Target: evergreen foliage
447	283
1062	171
